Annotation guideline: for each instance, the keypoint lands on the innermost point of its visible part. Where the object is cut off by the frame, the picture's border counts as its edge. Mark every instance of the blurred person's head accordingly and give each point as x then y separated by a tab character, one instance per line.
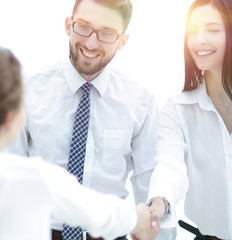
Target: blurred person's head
11	112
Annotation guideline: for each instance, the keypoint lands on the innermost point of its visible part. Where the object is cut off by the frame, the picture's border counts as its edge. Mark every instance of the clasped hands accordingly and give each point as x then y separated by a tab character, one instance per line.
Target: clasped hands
148	220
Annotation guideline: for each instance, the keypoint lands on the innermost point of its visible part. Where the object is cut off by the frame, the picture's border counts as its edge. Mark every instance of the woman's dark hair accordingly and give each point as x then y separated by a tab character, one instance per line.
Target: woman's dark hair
193	74
124	7
10	83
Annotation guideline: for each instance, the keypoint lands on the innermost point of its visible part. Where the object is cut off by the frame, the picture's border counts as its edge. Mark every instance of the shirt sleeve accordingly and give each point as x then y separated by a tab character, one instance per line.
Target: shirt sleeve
102	215
144	146
169	178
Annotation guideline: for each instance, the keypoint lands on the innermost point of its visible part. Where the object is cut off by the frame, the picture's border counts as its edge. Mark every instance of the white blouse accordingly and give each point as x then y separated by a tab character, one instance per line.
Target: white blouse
32	190
193	139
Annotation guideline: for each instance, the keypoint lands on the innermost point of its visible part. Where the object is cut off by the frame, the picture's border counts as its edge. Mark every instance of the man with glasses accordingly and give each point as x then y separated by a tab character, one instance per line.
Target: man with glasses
118	133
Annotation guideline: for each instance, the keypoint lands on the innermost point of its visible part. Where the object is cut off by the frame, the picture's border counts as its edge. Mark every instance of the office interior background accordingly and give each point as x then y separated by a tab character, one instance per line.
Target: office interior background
153	57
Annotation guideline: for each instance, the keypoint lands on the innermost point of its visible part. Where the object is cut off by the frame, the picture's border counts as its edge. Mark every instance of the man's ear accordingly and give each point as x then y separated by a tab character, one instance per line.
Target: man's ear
123	41
68	25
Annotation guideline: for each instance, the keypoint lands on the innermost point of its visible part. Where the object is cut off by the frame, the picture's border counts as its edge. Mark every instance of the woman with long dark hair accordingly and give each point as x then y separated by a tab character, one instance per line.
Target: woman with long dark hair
195	130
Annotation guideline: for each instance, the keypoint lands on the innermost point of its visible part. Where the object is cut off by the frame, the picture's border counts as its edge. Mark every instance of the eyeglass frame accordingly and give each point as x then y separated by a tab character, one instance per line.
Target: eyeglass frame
95	31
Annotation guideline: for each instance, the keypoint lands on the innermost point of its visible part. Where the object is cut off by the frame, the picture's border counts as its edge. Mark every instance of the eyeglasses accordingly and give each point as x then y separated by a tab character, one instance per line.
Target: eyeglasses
85	30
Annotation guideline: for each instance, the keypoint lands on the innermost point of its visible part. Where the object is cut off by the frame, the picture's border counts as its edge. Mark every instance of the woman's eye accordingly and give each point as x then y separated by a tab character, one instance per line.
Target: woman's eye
213	30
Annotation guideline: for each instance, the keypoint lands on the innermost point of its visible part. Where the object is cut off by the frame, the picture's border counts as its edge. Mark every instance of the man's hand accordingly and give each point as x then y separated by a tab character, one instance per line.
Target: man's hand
146	227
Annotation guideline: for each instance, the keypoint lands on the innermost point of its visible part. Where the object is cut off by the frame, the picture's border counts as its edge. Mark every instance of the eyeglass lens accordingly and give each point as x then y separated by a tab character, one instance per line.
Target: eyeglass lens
86	31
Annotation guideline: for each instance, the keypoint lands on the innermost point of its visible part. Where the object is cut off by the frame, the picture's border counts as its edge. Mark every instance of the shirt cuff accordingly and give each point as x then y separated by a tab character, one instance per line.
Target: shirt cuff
166	203
160	191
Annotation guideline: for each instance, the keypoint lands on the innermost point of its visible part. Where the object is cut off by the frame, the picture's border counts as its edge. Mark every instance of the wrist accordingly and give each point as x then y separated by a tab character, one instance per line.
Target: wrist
162	204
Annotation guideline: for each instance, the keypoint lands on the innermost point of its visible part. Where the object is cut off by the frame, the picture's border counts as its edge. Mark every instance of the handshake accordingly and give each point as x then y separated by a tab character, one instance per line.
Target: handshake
149	219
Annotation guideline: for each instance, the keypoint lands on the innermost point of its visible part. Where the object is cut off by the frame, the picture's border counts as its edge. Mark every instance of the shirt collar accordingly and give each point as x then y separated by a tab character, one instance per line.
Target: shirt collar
75	80
196	96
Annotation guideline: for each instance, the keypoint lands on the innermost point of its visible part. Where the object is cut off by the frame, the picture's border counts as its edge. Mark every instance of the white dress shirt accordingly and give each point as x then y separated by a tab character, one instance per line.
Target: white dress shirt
192	136
121	135
32	190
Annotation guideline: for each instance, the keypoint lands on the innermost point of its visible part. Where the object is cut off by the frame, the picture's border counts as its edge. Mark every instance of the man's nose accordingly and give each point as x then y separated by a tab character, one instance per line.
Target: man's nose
92	41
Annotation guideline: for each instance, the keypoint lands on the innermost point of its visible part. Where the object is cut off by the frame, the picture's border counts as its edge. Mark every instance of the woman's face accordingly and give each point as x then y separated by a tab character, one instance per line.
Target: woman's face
207	38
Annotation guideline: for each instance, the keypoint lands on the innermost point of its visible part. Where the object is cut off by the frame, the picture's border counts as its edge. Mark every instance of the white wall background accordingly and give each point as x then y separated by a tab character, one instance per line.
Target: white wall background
34	31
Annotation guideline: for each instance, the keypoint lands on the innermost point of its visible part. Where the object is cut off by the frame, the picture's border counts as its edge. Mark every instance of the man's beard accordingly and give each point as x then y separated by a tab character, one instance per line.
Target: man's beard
86	68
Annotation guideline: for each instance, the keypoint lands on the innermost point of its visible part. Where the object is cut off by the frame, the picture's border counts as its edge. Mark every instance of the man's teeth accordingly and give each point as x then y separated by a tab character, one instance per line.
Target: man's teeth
89	55
202	53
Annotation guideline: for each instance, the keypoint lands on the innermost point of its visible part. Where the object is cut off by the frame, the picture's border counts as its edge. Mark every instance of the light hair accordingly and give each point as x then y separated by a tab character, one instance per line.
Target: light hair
124	7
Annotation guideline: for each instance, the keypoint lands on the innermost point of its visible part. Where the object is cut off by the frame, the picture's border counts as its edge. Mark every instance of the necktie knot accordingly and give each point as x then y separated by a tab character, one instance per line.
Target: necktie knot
85	88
